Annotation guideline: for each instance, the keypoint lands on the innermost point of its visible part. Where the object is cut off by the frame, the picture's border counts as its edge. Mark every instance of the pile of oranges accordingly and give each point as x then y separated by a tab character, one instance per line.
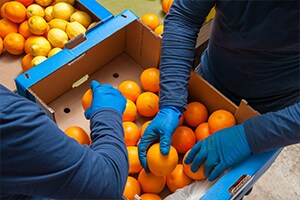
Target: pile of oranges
167	172
40	28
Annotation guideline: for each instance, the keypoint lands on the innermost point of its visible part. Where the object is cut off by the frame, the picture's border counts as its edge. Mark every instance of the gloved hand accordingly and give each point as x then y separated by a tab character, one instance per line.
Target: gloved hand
105	96
220	151
161	128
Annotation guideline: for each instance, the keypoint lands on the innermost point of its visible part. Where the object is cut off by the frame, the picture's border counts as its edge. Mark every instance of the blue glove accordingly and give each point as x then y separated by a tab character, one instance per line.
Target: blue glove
105	96
220	151
161	128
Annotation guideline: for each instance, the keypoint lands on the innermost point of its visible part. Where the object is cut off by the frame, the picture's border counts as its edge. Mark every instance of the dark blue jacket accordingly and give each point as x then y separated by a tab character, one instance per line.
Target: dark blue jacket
253	54
40	160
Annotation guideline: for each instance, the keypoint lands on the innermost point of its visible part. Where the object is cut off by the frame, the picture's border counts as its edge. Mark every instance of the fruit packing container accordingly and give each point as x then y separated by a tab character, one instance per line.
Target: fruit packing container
120	50
10	65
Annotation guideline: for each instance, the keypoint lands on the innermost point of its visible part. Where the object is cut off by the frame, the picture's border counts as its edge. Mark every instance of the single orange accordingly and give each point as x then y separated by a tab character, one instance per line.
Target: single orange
131	133
133	158
159	164
159	30
15	11
144	126
149	79
151	20
7	27
26	62
86	99
166	5
150	196
178	179
147	104
202	131
130	112
27	43
183	139
26	2
24	29
132	187
2	11
198	175
130	89
78	134
220	119
150	183
1	46
14	43
195	114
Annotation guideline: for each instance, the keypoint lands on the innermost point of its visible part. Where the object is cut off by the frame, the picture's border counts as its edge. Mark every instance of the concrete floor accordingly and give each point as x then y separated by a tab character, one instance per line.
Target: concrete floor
282	180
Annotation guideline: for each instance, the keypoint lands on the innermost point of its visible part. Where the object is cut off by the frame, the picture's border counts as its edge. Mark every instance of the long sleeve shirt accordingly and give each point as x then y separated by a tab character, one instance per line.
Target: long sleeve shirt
253	54
38	160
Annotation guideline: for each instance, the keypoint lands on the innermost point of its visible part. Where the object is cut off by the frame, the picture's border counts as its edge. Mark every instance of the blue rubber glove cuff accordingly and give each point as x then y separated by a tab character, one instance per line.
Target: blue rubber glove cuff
105	96
219	151
160	129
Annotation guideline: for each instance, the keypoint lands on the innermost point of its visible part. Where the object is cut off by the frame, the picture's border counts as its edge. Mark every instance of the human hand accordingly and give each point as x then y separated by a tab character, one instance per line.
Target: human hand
161	128
105	96
220	151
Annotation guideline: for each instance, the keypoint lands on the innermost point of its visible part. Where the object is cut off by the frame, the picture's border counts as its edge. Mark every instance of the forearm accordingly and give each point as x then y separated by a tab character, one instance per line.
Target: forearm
274	129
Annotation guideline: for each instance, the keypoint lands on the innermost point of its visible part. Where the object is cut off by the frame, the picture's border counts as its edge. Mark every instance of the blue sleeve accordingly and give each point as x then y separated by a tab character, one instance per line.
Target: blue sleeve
181	28
274	129
38	159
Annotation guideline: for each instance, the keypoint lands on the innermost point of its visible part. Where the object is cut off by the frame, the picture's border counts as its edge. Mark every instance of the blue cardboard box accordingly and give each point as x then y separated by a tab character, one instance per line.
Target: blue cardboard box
10	65
120	50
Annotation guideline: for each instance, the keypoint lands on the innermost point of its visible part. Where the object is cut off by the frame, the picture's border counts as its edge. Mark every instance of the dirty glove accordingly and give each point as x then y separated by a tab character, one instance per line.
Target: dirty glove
105	96
161	128
220	151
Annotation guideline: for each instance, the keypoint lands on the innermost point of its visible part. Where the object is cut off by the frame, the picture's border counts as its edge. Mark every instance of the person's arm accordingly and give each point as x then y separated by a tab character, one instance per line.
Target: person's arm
274	129
38	159
181	28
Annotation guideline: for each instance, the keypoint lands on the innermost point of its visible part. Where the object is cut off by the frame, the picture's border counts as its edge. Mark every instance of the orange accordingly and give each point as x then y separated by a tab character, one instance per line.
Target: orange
159	164
26	2
183	139
181	120
78	134
27	43
130	89
150	183
159	30
15	11
149	79
1	45
150	196
133	158
144	126
2	11
26	62
166	5
151	20
202	131
7	27
130	112
14	43
86	100
198	175
147	104
131	133
178	179
24	29
220	119
132	187
195	114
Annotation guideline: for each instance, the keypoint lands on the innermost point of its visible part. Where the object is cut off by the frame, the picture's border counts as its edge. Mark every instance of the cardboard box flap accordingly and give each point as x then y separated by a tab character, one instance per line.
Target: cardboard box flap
244	112
208	95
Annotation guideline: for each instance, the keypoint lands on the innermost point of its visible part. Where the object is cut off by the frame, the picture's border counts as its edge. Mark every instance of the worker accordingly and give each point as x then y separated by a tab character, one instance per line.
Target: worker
253	54
38	160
